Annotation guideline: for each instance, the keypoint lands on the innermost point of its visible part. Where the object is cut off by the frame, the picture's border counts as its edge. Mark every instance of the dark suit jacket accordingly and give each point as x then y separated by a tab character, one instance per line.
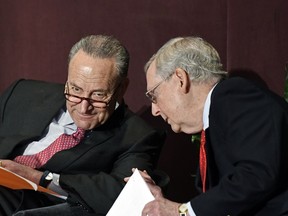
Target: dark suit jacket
93	171
247	142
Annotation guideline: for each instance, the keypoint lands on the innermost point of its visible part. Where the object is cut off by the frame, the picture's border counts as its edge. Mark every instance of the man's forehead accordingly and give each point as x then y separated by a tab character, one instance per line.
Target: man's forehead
85	69
151	75
93	68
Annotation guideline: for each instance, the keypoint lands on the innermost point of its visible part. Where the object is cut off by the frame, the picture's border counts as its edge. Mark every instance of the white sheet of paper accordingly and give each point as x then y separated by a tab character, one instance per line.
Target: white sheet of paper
132	198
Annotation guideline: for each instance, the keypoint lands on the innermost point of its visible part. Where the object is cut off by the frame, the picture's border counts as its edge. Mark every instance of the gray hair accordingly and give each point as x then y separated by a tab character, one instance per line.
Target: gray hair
101	46
192	54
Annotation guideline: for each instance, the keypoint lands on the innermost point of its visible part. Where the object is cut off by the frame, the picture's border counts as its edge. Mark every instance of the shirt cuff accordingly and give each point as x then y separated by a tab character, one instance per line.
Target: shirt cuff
55	186
190	209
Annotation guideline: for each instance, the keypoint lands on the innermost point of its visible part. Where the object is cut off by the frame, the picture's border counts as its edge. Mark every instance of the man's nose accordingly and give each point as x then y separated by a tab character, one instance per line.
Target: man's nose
155	109
85	105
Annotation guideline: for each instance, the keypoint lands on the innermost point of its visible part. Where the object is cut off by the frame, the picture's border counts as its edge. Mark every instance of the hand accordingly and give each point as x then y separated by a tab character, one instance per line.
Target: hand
144	175
22	170
151	184
161	207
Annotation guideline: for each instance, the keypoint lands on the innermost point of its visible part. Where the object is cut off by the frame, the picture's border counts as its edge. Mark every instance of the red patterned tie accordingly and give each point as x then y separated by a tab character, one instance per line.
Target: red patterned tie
63	142
203	160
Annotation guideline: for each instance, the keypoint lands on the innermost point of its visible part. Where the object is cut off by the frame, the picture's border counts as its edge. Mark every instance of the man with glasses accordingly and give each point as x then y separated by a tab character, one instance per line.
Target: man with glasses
107	139
243	163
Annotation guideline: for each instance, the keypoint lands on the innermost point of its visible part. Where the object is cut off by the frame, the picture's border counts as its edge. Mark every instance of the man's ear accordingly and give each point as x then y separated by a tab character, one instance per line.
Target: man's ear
183	80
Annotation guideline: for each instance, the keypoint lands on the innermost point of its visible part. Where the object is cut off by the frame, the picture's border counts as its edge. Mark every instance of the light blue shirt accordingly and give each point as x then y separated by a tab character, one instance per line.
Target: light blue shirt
62	123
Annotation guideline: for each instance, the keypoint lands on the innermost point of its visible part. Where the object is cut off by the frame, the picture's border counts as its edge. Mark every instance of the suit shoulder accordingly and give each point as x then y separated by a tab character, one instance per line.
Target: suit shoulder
135	119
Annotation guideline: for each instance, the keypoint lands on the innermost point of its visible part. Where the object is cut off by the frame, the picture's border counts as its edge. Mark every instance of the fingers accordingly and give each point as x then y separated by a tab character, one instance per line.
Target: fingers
147	177
144	175
4	163
146	210
152	208
156	191
159	207
126	179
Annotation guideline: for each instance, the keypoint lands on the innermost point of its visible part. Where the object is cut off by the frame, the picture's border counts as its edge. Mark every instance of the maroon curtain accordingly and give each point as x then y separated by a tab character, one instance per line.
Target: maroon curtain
250	35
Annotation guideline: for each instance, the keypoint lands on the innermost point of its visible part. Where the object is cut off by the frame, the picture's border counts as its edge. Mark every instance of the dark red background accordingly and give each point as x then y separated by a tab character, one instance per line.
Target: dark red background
250	35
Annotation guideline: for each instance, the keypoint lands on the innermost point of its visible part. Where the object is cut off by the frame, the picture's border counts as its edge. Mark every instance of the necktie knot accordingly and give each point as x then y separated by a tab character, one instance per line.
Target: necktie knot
79	134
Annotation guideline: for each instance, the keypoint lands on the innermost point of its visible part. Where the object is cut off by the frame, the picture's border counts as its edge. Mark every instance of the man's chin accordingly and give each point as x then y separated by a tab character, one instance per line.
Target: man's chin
176	129
86	125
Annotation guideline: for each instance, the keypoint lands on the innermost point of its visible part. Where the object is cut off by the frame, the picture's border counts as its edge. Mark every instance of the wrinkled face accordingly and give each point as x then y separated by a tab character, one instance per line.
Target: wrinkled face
166	102
95	81
175	99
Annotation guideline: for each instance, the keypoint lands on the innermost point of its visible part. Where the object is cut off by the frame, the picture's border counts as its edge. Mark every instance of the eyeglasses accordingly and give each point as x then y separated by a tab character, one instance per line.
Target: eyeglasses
150	94
95	103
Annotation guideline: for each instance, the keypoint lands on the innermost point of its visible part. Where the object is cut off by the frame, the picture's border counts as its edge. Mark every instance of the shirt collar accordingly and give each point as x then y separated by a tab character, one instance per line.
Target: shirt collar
207	108
64	118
